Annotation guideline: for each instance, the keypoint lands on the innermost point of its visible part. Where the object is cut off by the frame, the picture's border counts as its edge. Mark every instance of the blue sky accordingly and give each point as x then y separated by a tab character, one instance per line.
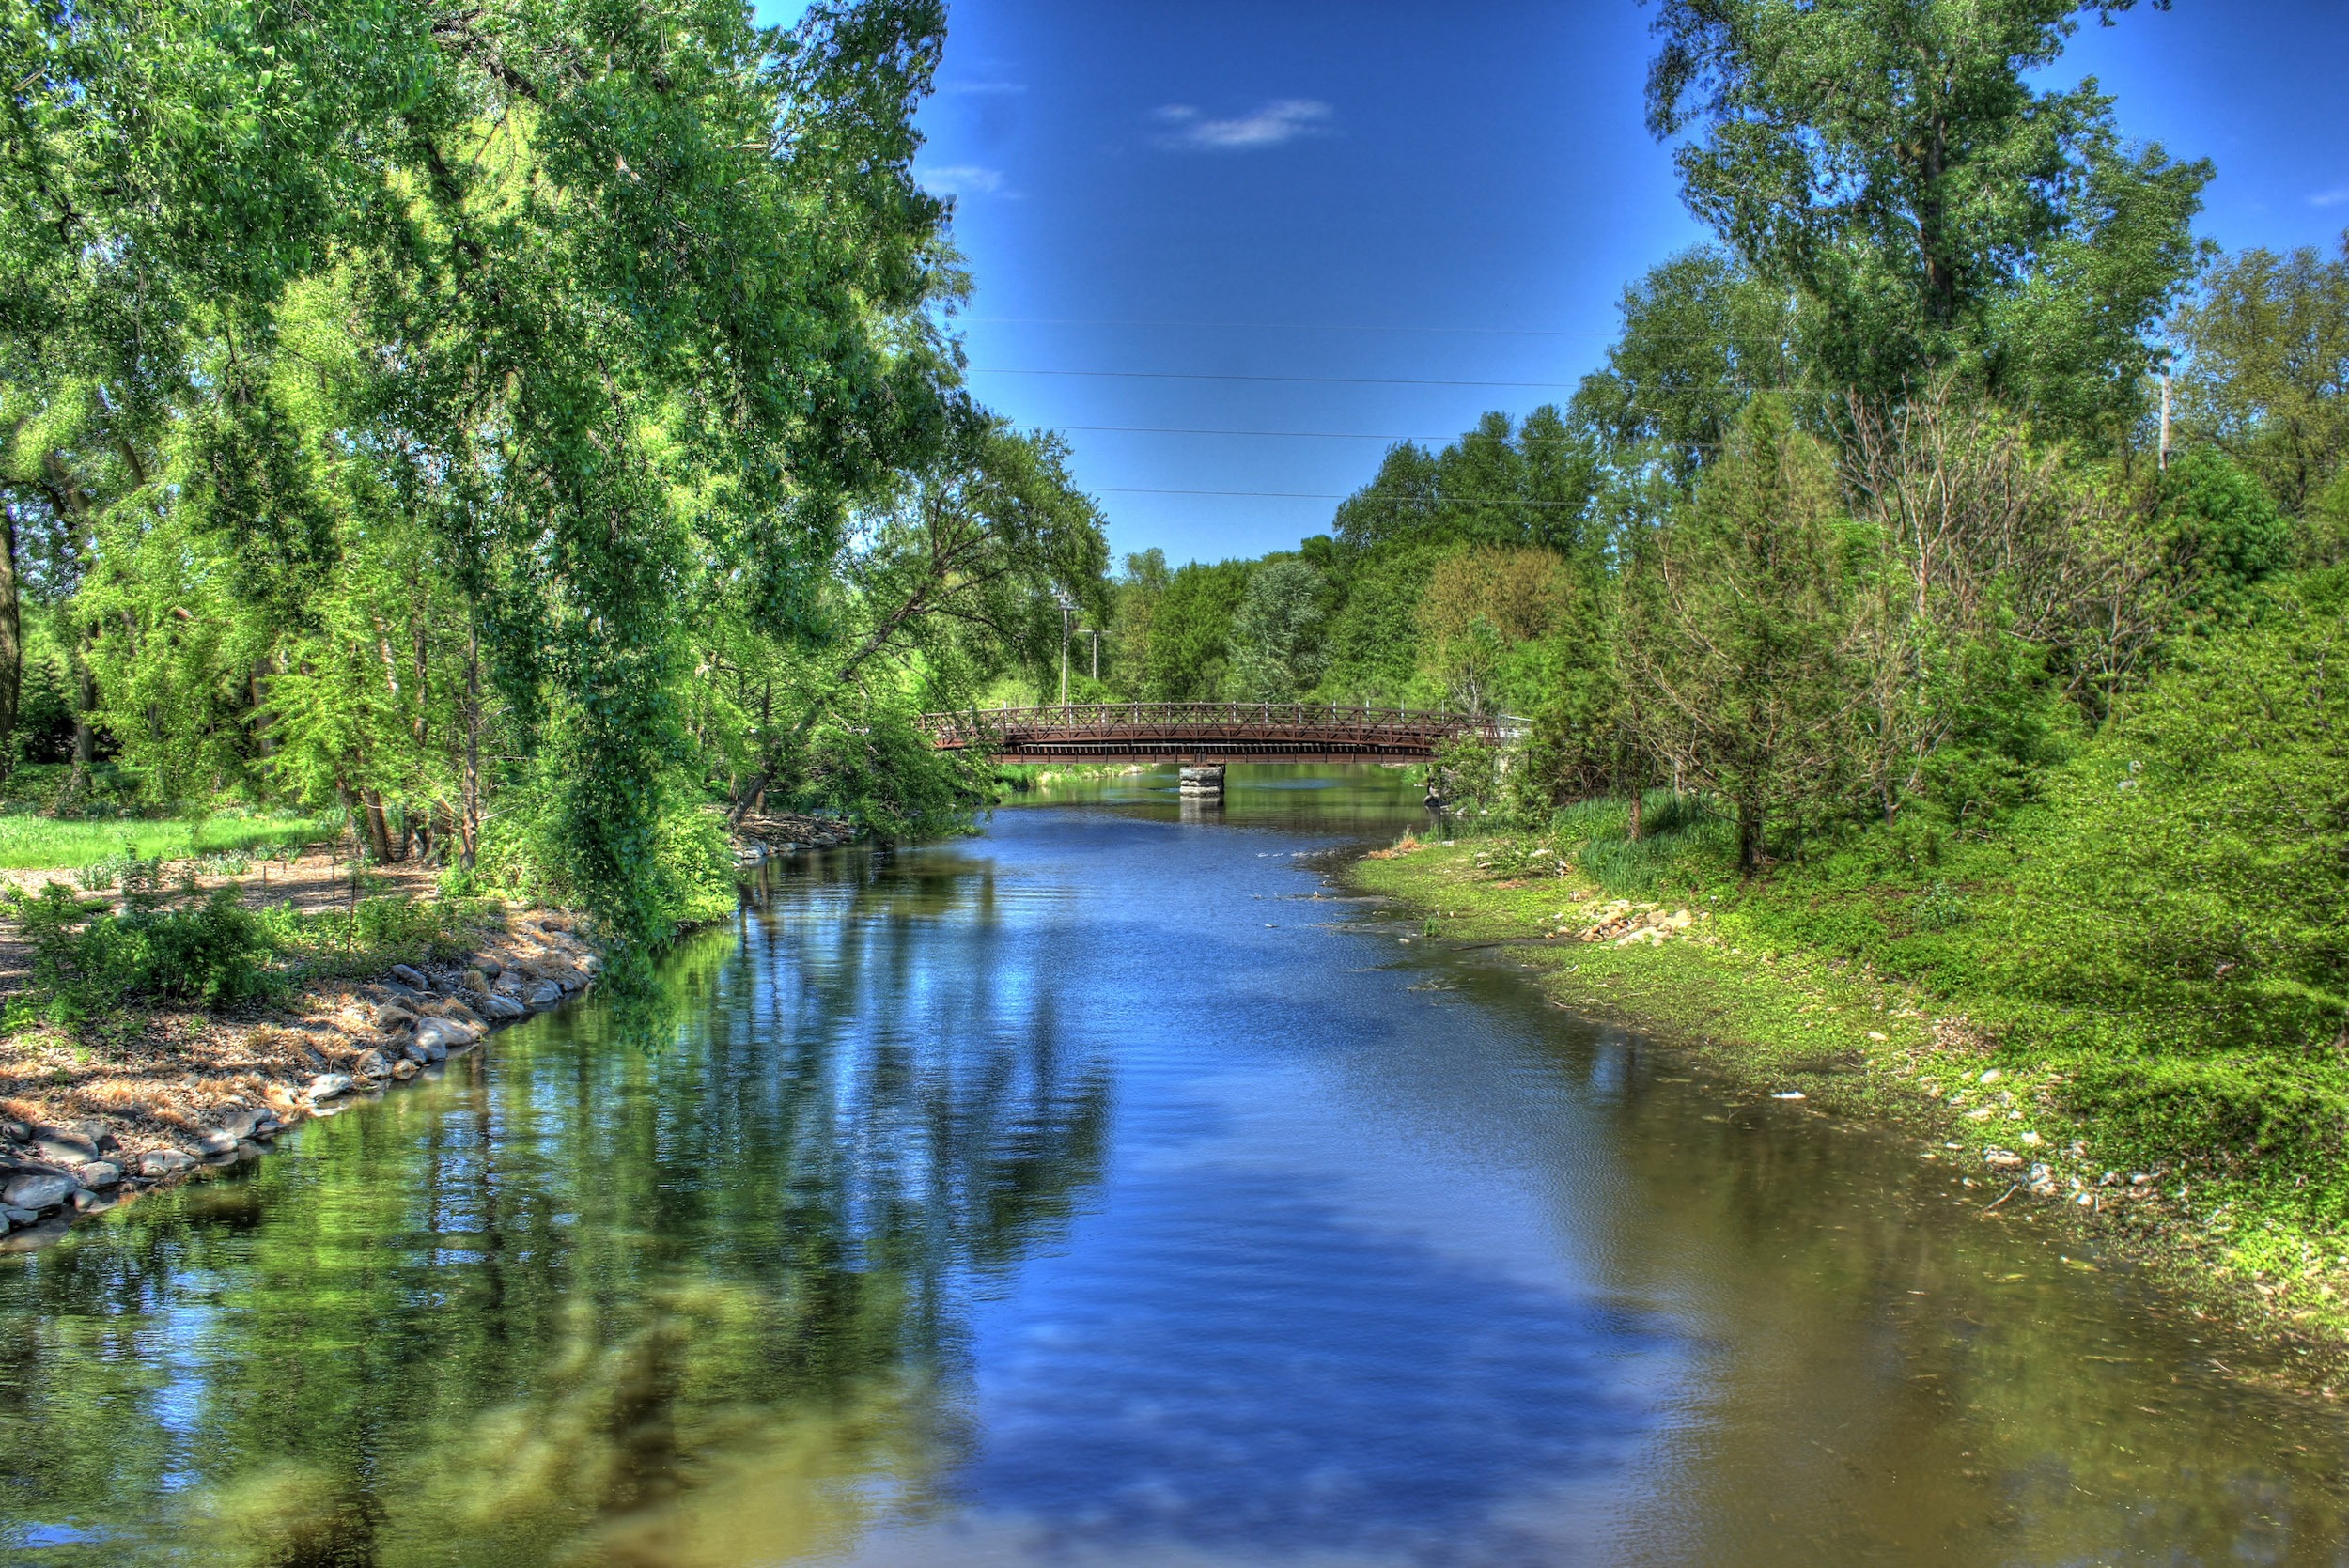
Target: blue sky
1390	200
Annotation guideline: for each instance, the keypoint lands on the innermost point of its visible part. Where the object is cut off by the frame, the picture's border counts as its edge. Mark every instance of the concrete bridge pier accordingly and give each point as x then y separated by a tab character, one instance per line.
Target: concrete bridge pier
1203	781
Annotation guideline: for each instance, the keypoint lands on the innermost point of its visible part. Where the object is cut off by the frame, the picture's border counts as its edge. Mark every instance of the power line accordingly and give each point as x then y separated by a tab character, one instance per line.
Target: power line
1317	380
1316	495
1452	437
1649	337
1289	326
1300	435
1332	380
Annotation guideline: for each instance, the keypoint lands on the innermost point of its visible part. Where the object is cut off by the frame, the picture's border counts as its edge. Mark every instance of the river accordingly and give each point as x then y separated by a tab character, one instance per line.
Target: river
1108	1188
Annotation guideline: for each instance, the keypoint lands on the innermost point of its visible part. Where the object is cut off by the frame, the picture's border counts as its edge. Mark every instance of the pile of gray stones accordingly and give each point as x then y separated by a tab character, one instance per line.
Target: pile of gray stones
50	1174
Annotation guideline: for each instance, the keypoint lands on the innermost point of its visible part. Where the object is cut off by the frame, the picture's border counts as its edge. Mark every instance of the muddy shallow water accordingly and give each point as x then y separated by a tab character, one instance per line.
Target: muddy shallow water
1104	1189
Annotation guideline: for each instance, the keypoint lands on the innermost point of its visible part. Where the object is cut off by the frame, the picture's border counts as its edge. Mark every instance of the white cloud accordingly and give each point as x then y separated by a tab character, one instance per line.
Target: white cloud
1284	119
2333	197
960	180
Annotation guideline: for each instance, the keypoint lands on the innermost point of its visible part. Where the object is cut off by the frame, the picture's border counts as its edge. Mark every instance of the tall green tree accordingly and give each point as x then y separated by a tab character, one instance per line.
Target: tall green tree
636	298
1700	335
1276	633
2264	369
1138	589
1191	632
1737	628
1891	161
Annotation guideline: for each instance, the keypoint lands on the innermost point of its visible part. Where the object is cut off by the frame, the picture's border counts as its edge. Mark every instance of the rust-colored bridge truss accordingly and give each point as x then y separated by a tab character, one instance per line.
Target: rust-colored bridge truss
1203	733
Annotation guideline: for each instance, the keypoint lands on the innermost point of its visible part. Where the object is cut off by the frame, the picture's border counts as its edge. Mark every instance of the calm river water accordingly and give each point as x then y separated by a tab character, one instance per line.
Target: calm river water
1104	1189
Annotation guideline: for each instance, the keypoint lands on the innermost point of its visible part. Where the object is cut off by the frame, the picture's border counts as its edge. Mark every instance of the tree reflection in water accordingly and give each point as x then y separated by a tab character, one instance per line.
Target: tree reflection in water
580	1302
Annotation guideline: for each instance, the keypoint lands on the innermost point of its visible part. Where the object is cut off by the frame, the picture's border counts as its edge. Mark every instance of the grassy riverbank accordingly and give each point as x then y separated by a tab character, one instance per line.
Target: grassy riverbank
1751	979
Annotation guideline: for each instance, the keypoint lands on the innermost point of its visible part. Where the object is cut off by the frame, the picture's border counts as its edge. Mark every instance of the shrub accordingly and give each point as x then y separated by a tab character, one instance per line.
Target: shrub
215	953
88	961
2192	867
2243	1111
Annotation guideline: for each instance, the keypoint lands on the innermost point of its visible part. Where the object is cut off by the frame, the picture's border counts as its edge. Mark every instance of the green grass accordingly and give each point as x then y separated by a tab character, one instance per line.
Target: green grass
29	841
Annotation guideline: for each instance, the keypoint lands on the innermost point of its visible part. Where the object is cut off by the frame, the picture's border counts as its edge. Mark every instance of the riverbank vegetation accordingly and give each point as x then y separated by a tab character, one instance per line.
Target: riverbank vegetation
526	435
1962	602
534	435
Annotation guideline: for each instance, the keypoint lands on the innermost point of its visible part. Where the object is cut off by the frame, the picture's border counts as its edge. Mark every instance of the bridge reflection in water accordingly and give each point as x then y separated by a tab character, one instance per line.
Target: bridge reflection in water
1207	733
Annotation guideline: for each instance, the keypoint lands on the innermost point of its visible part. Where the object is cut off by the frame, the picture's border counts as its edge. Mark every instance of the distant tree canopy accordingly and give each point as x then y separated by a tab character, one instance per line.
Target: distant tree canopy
2264	373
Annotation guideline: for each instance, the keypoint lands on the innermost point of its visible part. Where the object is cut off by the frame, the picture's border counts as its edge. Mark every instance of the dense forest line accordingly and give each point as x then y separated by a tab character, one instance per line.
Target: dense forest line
521	427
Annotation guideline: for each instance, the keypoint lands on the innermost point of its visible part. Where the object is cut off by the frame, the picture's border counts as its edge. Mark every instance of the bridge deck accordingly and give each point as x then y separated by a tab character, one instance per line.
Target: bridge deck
1204	733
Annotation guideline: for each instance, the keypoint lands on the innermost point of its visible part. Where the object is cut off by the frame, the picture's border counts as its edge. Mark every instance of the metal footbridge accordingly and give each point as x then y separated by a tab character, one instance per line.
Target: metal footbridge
1207	733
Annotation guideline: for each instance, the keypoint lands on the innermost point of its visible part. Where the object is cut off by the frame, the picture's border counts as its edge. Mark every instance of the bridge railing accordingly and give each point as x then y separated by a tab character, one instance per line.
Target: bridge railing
986	726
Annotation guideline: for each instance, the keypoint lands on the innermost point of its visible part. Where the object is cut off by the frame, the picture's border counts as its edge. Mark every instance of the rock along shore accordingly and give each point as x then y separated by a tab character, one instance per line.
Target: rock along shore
186	1093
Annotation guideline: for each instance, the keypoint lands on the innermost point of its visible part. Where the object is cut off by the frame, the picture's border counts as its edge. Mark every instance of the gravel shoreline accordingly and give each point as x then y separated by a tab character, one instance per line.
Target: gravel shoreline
88	1124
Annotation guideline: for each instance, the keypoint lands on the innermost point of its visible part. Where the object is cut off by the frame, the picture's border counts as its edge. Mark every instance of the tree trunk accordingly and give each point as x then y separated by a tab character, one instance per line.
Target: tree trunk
1750	837
378	827
11	645
422	664
85	703
1637	800
468	832
264	741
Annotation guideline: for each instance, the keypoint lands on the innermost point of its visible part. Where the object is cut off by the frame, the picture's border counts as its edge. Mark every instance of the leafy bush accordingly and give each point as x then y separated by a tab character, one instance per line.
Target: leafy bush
212	950
2192	868
88	961
2241	1110
1682	842
215	953
370	938
1938	909
126	869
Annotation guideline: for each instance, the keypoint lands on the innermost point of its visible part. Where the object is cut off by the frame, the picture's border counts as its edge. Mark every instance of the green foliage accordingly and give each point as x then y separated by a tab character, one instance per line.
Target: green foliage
1467	776
1701	336
2265	375
1189	657
2192	869
211	951
1138	590
1373	643
42	841
2324	540
1682	842
1500	483
1276	633
510	353
2221	534
1890	161
1734	620
2259	1115
884	775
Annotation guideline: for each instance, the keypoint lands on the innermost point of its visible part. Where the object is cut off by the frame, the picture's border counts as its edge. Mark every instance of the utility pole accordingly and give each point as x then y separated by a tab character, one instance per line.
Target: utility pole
1095	632
2163	460
1067	608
